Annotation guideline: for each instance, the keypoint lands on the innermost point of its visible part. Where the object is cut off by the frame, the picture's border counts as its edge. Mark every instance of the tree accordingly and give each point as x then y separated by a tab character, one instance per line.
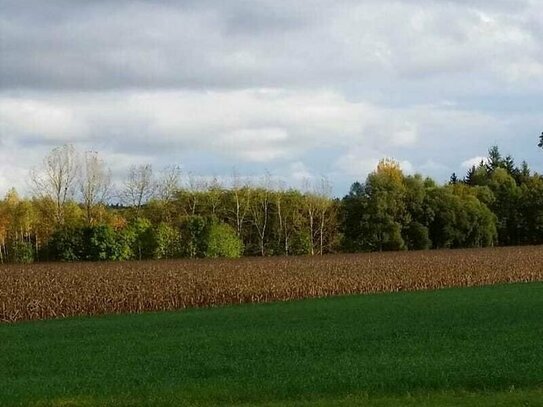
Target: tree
102	243
506	206
139	187
540	145
194	236
523	174
495	159
323	205
454	179
509	166
318	207
241	195
214	196
57	178
141	238
66	244
95	184
415	220
260	212
289	210
353	208
386	211
167	242
531	209
477	176
195	190
498	203
417	236
310	209
168	184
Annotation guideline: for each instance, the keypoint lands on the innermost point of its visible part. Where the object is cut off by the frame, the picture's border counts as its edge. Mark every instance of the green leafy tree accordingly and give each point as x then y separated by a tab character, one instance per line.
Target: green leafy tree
353	208
417	237
385	209
103	243
139	237
506	206
477	175
531	208
67	244
167	241
194	232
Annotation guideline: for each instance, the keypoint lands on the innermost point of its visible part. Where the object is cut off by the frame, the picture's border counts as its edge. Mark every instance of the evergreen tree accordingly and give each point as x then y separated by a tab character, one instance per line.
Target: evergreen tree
495	160
469	179
454	179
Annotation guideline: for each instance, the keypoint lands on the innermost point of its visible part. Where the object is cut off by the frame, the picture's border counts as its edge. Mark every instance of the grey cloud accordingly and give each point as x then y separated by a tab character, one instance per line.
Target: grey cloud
97	45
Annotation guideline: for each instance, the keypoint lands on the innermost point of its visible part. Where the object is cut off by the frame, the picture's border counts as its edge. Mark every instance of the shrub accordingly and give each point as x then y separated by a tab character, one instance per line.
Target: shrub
67	244
222	241
167	242
103	243
21	252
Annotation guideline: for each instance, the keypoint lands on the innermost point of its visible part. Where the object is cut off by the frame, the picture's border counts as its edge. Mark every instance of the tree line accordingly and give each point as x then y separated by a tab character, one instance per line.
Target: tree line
76	214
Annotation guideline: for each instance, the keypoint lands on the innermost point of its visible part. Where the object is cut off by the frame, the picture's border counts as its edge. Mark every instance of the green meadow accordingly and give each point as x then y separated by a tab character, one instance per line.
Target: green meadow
472	346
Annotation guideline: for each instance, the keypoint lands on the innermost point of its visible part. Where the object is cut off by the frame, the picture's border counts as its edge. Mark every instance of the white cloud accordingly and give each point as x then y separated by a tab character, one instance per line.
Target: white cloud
264	126
474	161
358	163
33	118
299	172
260	144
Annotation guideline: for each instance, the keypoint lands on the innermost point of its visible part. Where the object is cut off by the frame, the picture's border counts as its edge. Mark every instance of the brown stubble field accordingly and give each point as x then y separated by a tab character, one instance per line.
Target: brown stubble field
53	290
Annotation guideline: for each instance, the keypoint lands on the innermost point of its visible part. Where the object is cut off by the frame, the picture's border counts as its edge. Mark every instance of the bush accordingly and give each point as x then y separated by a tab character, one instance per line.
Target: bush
208	237
67	245
222	241
96	243
103	243
300	244
21	252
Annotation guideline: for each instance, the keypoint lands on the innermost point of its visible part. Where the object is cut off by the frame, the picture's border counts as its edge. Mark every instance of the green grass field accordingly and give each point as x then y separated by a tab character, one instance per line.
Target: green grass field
475	347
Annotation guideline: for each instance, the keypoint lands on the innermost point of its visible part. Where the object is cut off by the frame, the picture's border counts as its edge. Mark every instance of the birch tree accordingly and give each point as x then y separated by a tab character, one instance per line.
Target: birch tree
323	193
95	183
260	211
242	194
310	210
139	186
57	178
169	183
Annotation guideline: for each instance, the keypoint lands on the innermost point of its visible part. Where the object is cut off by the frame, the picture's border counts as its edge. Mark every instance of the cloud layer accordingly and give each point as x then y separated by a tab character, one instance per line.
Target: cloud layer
321	87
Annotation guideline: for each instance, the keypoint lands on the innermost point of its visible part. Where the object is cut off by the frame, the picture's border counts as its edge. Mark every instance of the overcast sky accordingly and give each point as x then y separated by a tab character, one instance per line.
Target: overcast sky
298	88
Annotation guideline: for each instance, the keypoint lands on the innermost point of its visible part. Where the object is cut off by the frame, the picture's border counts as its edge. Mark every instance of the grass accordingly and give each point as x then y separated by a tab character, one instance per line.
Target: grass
471	346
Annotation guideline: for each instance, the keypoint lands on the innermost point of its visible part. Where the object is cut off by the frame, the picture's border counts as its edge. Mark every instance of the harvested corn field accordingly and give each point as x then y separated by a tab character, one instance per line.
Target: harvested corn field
42	291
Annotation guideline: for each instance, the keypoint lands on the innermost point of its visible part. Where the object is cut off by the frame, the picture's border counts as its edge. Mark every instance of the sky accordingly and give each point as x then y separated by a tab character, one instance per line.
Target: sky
297	89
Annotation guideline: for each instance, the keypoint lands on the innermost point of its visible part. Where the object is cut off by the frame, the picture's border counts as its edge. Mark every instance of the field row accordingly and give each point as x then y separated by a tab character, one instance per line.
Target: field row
41	291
